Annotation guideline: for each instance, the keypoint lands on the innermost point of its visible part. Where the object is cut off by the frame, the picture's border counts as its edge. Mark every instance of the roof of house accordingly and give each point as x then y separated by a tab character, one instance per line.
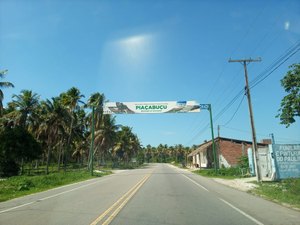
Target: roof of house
200	148
205	145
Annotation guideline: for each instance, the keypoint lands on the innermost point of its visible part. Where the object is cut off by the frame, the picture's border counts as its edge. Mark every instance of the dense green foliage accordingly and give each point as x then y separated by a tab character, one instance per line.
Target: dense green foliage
241	170
167	154
17	146
227	173
59	131
290	104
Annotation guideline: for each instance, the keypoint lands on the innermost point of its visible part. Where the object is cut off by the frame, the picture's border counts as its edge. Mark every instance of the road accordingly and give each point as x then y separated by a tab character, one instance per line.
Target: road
156	194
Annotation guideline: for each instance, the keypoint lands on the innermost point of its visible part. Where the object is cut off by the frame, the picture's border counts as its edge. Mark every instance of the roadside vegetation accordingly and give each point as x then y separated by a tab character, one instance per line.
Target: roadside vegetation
37	133
225	173
240	171
286	192
18	186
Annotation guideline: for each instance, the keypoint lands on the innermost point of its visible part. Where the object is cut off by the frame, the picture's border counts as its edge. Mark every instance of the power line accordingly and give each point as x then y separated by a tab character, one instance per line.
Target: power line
261	77
237	109
275	66
195	125
248	30
259	134
279	59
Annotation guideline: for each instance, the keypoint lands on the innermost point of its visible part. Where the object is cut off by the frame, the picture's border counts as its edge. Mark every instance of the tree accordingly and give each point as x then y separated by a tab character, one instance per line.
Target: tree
71	100
80	136
26	103
53	126
16	145
126	146
3	85
105	136
148	153
290	104
96	100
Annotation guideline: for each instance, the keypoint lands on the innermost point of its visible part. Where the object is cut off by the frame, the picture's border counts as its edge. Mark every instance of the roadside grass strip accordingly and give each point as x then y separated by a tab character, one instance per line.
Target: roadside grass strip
108	216
51	196
18	186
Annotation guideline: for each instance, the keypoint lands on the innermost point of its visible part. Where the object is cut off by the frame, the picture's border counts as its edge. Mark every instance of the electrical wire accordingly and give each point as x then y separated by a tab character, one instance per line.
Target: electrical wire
197	124
248	30
262	135
273	67
237	109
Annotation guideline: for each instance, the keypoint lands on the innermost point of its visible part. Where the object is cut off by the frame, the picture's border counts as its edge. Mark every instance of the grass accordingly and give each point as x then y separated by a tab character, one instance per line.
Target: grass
23	185
225	173
286	192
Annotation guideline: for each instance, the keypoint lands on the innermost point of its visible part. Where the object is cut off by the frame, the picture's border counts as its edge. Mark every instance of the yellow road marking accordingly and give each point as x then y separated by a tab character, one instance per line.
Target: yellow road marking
127	196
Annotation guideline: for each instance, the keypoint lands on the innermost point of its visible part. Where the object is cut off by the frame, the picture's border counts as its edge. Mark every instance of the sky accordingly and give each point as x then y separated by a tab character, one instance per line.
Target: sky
140	51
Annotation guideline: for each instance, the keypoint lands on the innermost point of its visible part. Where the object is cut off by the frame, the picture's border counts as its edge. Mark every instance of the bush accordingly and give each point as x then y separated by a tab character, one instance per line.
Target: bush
8	167
25	185
223	172
243	162
16	145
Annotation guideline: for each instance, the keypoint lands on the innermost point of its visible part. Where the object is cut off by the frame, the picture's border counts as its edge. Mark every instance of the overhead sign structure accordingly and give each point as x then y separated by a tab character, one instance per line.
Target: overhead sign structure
151	107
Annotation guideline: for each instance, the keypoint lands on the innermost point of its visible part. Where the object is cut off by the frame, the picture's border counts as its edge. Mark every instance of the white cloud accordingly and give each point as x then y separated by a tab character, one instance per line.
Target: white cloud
135	50
287	25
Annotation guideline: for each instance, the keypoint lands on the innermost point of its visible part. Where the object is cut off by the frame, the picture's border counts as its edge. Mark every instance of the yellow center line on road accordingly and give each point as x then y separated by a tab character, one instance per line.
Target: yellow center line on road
119	204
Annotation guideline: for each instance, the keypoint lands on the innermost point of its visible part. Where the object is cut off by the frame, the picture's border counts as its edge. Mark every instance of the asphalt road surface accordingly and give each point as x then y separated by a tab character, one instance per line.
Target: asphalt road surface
156	194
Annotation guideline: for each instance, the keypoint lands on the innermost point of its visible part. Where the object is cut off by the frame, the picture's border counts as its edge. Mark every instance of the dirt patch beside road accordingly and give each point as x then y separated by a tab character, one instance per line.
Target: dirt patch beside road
240	184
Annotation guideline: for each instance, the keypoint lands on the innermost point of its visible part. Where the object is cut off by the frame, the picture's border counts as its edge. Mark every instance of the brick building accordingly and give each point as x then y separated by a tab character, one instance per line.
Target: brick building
228	152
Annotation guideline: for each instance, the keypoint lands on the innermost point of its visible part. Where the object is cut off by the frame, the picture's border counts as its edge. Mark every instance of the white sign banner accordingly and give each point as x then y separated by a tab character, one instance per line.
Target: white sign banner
151	107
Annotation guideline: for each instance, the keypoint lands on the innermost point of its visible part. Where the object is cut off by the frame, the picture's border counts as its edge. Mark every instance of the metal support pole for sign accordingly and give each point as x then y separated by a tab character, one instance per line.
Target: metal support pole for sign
208	107
213	139
273	139
92	142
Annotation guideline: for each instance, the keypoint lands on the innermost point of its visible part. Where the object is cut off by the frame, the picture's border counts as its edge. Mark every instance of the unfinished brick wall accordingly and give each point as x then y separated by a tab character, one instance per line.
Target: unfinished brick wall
232	151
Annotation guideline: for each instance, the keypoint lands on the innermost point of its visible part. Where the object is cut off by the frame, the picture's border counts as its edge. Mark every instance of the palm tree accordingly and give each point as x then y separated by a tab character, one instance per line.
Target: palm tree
134	146
53	127
26	103
80	135
105	136
95	102
179	153
127	145
148	153
71	100
3	85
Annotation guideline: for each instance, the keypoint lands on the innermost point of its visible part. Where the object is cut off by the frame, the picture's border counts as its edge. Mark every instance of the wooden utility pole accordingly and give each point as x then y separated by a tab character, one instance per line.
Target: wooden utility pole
247	89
